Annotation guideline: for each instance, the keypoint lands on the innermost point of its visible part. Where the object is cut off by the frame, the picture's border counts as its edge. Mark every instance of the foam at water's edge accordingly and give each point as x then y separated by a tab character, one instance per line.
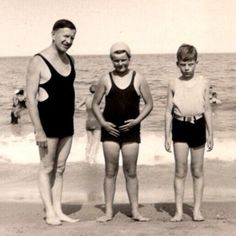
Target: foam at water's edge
18	149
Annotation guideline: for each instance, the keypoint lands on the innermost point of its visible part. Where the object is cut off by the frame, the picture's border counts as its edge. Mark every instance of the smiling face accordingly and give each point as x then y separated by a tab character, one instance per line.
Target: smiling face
120	62
187	68
63	38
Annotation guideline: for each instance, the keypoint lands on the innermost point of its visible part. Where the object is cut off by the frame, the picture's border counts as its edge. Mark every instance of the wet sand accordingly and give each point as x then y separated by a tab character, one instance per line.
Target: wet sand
21	209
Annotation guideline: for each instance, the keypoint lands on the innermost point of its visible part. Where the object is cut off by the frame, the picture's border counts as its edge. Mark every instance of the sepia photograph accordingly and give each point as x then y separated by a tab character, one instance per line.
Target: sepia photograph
117	117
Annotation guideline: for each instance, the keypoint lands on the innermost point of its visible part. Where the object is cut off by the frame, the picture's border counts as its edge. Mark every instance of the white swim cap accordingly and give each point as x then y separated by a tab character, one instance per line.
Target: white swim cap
120	46
16	91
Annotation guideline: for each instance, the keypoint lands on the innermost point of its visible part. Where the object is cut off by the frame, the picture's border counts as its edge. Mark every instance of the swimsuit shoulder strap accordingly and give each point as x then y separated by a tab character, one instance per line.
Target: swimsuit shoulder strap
111	78
46	61
133	76
71	61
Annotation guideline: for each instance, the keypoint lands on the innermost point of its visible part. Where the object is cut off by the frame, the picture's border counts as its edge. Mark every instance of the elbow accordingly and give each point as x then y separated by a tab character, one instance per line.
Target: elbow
27	101
93	107
168	115
30	101
150	106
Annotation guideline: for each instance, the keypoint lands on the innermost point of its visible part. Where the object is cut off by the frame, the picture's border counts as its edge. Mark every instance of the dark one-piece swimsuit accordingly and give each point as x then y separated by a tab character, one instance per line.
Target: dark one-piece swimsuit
122	105
57	111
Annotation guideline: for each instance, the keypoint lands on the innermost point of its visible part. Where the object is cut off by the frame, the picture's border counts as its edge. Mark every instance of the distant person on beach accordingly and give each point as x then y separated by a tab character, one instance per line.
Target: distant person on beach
50	93
214	99
18	105
93	127
188	116
120	123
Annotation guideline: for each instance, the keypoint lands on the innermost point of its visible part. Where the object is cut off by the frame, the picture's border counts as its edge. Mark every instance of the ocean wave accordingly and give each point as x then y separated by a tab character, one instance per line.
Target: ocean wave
23	150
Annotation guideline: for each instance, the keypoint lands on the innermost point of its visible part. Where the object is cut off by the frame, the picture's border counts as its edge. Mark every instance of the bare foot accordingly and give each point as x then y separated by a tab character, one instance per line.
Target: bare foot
140	218
198	217
53	221
104	218
66	218
176	218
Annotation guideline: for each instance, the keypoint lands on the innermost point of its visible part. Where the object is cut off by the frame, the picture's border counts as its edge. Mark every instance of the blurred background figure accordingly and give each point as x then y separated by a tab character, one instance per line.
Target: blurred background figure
18	105
214	99
93	128
213	96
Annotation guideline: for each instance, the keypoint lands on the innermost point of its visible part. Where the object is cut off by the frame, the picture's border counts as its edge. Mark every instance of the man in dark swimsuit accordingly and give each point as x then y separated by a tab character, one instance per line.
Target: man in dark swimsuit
50	97
120	124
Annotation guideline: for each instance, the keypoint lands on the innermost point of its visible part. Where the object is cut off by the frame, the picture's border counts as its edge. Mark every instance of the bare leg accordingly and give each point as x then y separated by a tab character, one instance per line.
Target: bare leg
94	145
130	156
198	181
111	153
181	166
63	150
46	179
89	145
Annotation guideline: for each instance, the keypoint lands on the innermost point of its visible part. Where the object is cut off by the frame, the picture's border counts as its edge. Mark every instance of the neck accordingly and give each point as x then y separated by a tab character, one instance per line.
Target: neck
121	74
187	78
57	53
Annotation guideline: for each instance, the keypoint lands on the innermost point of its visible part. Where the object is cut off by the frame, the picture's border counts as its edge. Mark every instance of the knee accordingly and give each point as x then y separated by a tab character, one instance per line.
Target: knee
130	172
60	169
47	168
197	172
111	172
181	172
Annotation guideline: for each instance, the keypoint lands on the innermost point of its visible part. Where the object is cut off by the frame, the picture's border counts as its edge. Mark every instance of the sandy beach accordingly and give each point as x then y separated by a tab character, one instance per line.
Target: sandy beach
21	209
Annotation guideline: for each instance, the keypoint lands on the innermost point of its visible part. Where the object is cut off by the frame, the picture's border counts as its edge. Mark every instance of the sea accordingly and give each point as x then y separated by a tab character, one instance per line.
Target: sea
17	142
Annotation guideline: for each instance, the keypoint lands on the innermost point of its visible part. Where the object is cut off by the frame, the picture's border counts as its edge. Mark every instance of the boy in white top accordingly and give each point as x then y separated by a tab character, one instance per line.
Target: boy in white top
188	117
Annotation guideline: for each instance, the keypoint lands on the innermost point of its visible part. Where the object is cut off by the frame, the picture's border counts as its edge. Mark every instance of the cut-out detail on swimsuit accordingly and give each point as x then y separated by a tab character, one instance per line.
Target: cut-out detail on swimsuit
42	95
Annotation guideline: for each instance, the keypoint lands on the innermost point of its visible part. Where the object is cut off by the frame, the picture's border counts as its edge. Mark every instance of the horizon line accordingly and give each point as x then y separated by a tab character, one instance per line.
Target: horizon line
101	54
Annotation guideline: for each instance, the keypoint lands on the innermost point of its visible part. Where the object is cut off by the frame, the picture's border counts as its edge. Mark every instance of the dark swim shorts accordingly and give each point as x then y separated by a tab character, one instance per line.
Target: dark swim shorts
131	136
194	134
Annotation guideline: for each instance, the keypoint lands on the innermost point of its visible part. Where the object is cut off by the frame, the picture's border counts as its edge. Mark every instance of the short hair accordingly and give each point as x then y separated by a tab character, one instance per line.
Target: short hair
63	23
187	52
21	92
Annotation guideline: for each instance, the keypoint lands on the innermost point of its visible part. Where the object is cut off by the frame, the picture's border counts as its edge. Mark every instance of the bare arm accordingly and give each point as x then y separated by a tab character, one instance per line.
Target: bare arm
99	93
32	83
208	118
147	98
15	100
82	103
168	116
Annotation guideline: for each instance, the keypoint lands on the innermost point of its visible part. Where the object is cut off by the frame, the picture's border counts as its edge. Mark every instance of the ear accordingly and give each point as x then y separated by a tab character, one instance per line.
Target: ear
53	35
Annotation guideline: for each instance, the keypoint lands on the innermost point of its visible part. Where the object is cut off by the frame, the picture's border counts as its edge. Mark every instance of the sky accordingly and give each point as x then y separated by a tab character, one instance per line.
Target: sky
147	26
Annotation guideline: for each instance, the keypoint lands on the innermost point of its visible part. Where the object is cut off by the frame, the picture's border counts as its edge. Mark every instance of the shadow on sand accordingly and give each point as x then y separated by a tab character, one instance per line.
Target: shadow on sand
69	209
167	209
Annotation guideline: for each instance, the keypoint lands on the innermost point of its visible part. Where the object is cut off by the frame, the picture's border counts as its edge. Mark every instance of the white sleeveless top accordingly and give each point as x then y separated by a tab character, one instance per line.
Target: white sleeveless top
189	97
